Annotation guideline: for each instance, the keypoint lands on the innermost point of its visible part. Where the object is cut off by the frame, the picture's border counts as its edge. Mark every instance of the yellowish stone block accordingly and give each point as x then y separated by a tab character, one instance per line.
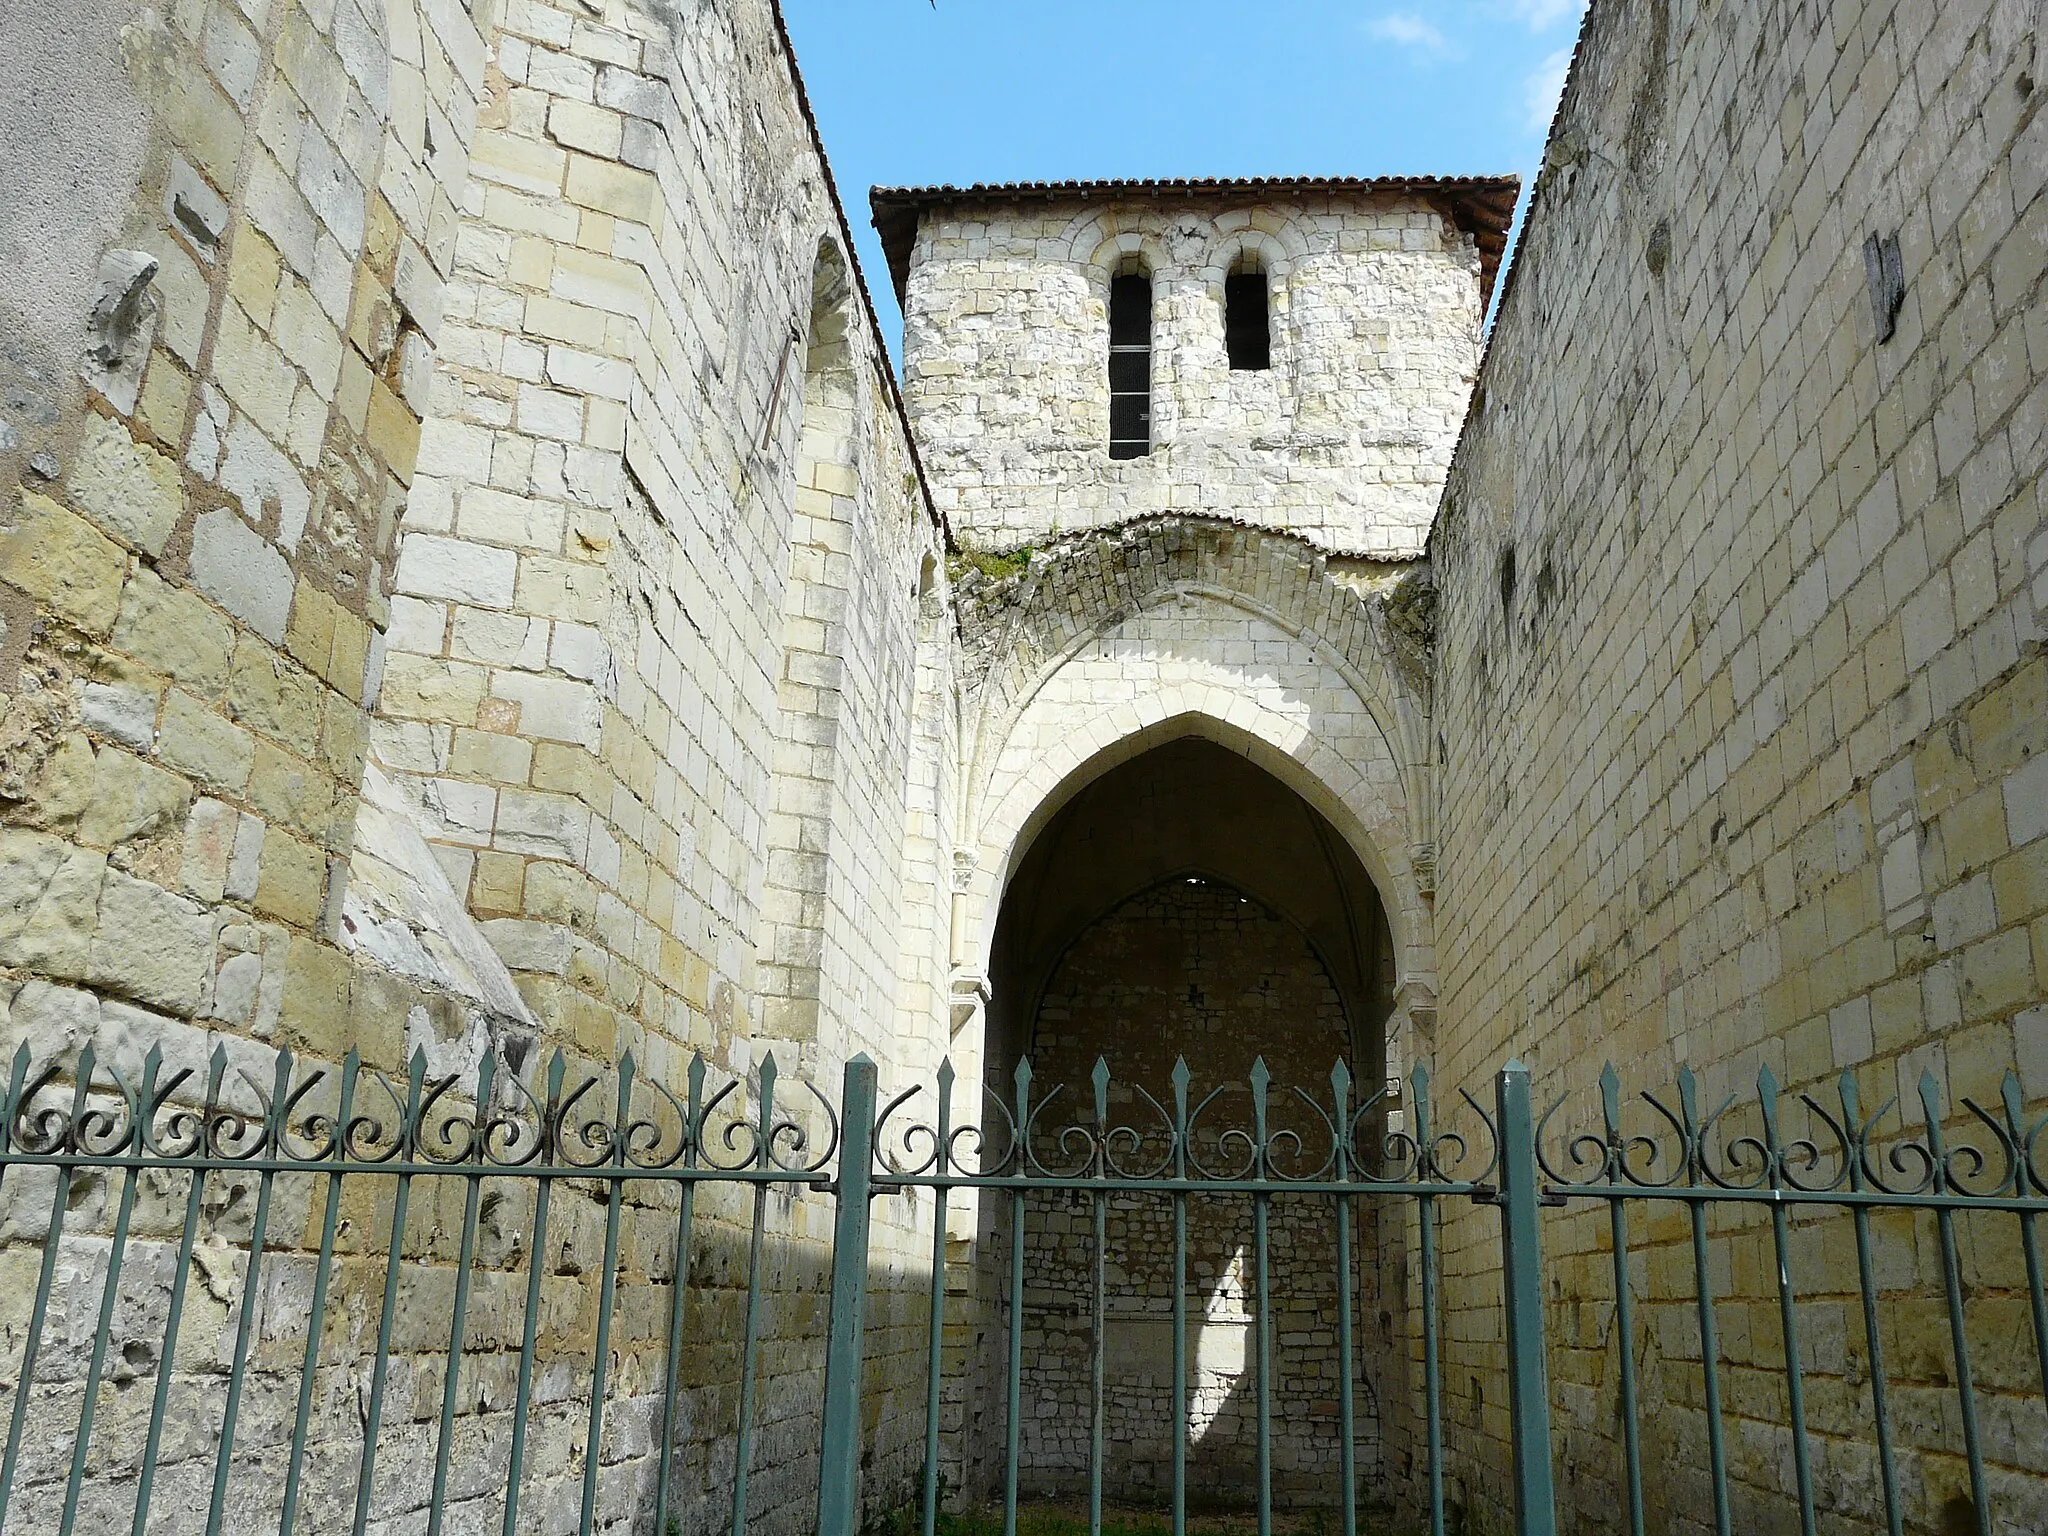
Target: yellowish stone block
62	561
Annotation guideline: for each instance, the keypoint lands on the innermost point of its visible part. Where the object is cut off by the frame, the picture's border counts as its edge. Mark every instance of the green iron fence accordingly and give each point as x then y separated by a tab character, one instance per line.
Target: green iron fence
1957	1191
297	1297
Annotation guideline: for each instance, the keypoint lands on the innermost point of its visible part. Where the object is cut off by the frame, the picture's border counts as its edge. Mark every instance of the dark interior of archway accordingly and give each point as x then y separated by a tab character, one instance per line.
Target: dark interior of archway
1186	903
1188	809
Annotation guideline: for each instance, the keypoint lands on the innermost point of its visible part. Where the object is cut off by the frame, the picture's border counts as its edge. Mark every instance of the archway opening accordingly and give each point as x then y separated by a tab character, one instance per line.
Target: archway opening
1187	904
1189	807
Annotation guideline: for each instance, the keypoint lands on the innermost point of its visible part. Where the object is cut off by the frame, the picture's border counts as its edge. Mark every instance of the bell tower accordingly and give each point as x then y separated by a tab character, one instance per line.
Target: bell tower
1295	354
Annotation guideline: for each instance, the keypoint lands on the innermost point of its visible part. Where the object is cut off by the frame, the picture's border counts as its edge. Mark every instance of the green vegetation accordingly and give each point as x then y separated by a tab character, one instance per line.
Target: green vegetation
996	567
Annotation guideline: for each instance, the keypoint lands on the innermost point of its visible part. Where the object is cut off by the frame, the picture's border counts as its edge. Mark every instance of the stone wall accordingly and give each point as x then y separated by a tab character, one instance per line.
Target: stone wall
210	423
1375	305
1740	683
424	571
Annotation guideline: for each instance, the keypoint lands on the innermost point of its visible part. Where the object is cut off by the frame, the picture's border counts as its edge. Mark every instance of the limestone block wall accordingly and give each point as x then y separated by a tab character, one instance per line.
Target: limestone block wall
655	649
390	566
625	480
214	362
1740	674
1375	310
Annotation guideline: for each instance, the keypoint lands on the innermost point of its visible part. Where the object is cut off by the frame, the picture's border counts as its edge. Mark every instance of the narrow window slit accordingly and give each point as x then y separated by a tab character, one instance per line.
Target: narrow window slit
1247	327
1130	366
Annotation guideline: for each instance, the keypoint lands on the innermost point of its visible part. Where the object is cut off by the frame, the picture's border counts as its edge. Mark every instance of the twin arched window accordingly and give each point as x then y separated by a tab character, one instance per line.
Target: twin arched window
1247	338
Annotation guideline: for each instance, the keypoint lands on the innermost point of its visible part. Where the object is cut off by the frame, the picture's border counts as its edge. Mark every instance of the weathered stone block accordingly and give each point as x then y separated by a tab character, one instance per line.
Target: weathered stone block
49	901
233	565
150	944
429	566
126	487
291	882
211	750
172	631
58	558
131	800
272	696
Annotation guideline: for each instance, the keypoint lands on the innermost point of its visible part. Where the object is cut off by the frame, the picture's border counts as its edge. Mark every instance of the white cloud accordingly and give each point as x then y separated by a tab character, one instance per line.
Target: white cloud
1409	31
1541	15
1543	88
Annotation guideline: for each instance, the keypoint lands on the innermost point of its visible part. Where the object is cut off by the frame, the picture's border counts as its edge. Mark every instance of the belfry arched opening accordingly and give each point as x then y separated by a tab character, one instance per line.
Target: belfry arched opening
1186	904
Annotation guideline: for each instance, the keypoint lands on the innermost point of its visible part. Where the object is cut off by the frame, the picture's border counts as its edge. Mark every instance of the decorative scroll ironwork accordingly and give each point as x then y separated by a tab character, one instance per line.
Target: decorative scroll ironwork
315	1114
1374	1142
1845	1153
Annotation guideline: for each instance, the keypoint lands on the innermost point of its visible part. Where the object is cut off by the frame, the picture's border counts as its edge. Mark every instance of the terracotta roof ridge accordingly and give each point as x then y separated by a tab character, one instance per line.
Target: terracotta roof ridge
1482	206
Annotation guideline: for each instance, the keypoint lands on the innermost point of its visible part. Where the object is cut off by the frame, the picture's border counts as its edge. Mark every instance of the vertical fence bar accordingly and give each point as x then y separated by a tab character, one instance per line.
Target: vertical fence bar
693	1134
536	1257
1432	1367
466	1252
1179	1488
839	1451
1012	1430
2026	1184
1952	1277
323	1270
1624	1298
16	1080
1788	1307
750	1349
1262	1320
103	1330
608	1285
259	1230
1098	1361
53	1236
1098	1353
1347	1421
1522	1275
152	1445
401	1197
1703	1291
1873	1334
936	1324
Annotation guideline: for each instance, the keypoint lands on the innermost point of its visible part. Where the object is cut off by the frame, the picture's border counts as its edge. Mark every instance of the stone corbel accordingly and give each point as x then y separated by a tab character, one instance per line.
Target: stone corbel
1415	1002
970	994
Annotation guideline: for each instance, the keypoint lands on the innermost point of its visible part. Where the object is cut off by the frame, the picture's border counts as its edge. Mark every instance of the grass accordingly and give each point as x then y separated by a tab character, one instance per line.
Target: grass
1053	1519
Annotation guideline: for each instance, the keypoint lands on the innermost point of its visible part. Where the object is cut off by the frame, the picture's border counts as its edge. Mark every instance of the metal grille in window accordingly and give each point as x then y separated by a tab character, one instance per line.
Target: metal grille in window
1247	331
1130	366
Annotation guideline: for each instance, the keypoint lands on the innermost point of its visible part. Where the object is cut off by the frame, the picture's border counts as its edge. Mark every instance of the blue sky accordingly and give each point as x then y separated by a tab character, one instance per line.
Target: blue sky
912	91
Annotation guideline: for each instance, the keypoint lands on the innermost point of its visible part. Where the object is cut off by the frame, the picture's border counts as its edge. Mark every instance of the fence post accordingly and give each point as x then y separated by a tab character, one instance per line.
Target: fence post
839	1454
1522	1280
